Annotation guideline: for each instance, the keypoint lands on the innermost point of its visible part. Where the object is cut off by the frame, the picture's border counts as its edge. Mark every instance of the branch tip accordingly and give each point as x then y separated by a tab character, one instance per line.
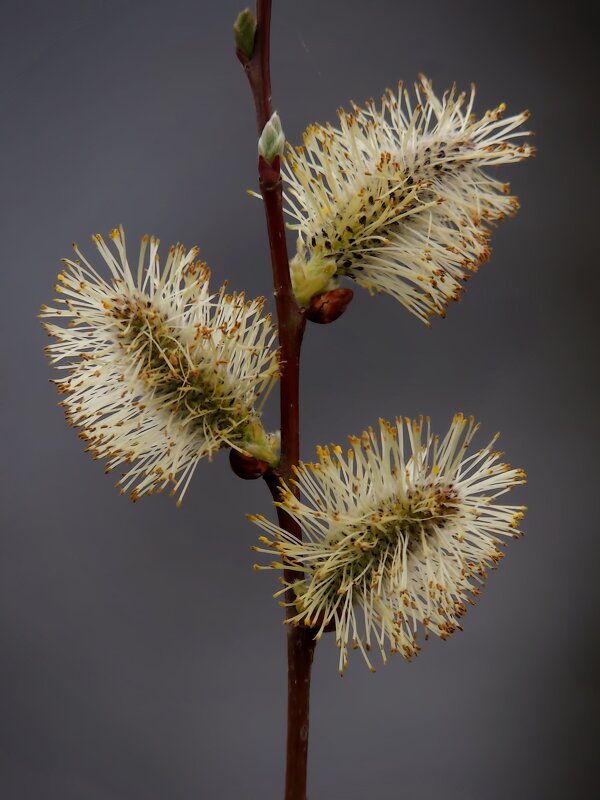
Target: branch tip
244	33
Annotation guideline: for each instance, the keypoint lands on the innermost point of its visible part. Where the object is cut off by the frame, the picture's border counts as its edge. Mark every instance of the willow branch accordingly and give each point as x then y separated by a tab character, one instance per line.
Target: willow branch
290	319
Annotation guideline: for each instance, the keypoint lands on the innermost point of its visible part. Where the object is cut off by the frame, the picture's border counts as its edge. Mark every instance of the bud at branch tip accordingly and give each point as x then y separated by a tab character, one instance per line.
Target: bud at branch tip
244	32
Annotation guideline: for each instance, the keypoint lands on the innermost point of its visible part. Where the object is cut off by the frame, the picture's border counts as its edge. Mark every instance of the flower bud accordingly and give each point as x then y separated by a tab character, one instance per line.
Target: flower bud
244	32
327	307
272	140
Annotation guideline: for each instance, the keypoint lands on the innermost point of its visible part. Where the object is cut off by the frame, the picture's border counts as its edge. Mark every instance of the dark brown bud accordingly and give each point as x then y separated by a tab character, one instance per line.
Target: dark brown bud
327	307
246	466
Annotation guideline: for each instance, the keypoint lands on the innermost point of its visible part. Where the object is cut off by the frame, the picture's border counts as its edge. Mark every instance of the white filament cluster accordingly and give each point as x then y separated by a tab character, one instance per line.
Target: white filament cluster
398	531
160	372
396	199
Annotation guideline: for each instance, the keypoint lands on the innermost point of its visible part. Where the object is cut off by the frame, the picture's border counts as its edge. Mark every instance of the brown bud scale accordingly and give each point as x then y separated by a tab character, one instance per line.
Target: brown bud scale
327	307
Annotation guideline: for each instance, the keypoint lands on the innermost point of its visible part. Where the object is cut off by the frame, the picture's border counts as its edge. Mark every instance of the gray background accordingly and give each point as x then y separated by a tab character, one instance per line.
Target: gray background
141	656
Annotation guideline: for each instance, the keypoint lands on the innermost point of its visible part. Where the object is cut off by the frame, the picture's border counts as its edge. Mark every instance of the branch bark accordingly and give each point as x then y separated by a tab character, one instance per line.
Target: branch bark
291	322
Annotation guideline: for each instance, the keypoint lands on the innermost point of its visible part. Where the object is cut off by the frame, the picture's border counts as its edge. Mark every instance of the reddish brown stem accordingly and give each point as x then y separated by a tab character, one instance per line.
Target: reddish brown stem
291	323
258	68
301	647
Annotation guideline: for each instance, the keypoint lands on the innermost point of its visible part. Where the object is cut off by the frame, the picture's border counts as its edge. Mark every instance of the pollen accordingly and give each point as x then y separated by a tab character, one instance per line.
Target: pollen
399	535
143	388
394	197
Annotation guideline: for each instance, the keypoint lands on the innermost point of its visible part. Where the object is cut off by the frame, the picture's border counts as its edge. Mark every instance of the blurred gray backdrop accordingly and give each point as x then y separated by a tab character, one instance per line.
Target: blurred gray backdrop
141	657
